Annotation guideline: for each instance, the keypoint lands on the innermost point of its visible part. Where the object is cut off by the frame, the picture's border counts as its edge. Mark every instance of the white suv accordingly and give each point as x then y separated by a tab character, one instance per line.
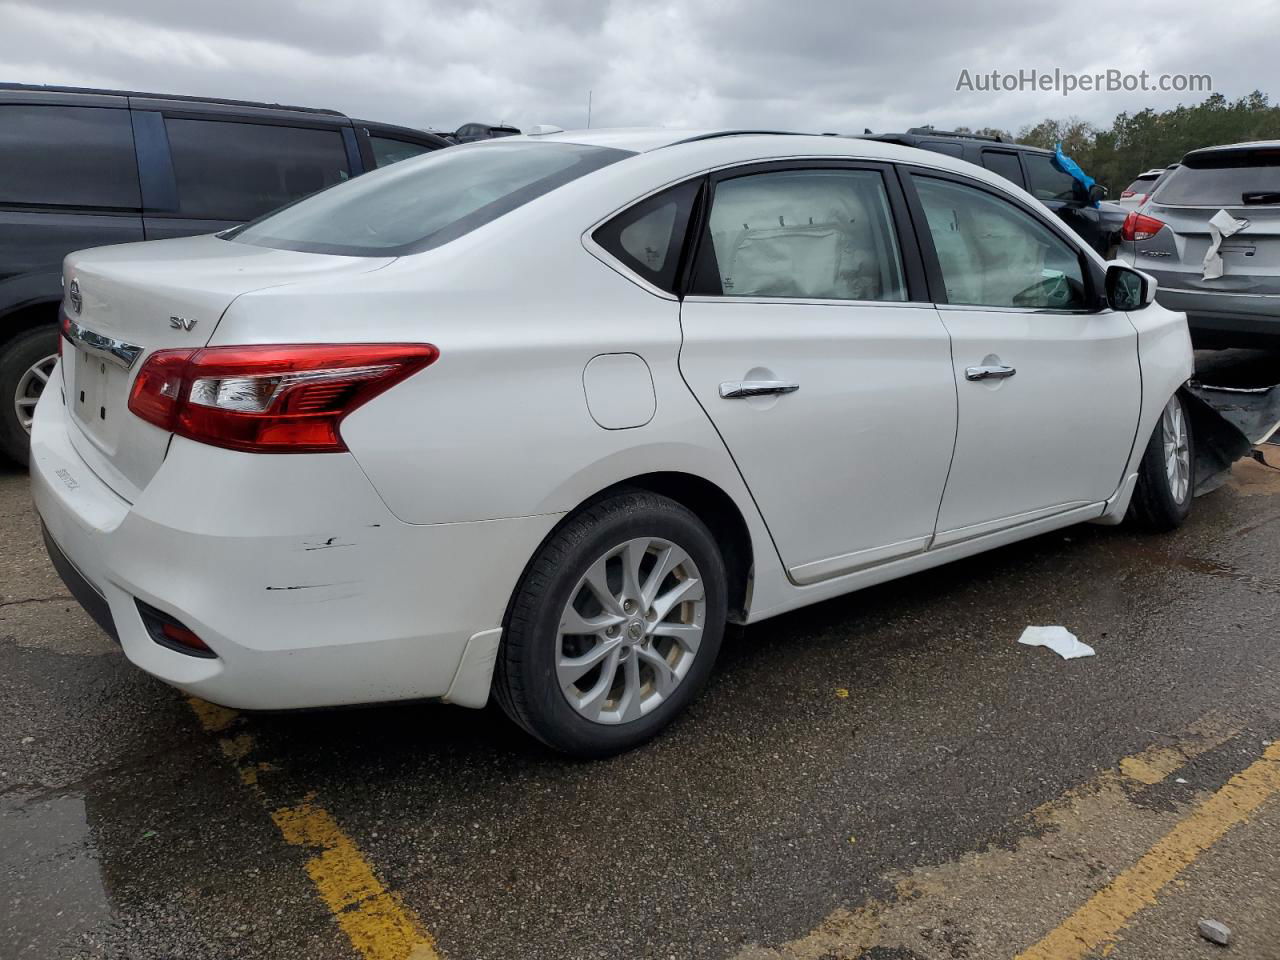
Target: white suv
539	415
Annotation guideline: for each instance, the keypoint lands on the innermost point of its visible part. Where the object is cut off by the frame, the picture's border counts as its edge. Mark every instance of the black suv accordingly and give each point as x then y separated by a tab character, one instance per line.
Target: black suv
1033	169
82	168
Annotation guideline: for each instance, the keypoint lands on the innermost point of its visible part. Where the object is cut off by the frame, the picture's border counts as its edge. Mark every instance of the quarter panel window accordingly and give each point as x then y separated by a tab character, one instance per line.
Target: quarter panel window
648	238
808	234
994	254
67	156
238	171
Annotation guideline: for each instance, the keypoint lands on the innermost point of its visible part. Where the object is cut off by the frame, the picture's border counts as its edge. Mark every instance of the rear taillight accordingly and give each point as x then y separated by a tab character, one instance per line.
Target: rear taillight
1125	194
270	398
1138	226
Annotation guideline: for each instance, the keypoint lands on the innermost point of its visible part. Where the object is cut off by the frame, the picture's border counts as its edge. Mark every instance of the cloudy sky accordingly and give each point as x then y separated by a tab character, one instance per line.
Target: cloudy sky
794	64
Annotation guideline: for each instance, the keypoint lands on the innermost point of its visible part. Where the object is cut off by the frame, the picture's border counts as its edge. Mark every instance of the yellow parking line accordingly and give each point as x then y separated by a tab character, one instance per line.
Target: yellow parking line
1097	922
377	922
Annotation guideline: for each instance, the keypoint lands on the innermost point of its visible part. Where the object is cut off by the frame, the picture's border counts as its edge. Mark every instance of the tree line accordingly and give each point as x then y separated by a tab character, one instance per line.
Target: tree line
1135	142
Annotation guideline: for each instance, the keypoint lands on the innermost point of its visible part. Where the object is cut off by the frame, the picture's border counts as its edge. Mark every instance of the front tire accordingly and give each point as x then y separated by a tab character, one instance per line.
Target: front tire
1166	476
614	627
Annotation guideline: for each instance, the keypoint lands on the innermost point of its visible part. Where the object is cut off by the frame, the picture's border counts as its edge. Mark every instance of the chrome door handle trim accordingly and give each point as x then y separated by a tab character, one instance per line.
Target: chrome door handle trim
736	389
989	373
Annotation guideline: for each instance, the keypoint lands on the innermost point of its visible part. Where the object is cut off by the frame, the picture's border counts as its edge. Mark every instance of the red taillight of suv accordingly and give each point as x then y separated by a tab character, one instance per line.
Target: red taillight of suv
269	398
1138	226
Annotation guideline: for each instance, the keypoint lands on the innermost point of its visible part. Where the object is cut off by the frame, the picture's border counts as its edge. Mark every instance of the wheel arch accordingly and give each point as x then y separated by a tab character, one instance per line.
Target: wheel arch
27	315
705	500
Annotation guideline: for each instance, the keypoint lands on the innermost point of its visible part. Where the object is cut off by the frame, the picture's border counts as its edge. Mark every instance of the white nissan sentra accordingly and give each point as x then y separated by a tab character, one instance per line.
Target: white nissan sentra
538	416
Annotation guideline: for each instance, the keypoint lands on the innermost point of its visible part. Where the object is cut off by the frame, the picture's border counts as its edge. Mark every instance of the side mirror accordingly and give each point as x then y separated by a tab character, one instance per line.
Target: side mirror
1128	289
1097	192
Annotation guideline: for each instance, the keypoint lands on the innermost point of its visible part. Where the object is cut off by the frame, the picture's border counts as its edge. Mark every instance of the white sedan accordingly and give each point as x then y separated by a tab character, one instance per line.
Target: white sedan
537	416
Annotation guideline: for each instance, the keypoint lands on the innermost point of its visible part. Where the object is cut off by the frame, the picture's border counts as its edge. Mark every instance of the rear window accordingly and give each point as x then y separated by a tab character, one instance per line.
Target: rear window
425	202
67	156
1226	179
237	171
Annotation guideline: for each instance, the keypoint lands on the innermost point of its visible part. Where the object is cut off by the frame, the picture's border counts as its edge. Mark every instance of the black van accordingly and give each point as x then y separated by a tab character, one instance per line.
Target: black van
82	168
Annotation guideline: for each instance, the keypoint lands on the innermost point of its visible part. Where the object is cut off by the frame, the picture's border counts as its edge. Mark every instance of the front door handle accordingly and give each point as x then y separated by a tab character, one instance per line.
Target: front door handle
735	389
989	372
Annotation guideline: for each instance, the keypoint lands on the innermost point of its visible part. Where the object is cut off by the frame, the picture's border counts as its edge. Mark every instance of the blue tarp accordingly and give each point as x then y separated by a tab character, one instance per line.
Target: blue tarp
1072	169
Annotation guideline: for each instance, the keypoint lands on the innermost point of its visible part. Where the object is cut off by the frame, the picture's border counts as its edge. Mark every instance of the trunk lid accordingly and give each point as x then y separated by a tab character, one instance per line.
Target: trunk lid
138	298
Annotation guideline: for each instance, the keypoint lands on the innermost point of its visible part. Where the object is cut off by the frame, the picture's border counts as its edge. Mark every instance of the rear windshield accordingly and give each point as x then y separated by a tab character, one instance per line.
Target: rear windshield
1227	179
425	202
1141	185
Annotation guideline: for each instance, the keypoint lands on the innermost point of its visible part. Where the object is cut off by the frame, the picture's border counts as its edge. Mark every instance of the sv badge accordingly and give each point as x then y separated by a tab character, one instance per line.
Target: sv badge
181	323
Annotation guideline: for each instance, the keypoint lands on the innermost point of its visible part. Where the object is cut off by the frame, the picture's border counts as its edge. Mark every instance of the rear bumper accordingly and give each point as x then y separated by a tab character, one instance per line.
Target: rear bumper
1249	317
290	568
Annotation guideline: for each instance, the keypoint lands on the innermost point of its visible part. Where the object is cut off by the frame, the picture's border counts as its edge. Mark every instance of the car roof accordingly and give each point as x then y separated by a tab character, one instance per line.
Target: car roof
180	98
919	134
714	147
1229	147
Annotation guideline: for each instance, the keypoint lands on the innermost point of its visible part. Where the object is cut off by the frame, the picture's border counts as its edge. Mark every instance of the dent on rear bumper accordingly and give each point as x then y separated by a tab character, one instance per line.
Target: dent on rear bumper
291	568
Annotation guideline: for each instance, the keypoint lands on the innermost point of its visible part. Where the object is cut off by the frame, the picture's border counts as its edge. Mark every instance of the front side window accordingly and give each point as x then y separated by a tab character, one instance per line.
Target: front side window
67	156
1047	182
237	171
994	254
805	233
427	201
387	151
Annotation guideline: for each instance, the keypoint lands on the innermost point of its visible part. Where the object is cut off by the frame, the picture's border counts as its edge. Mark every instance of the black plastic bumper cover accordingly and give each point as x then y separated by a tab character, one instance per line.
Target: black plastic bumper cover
94	603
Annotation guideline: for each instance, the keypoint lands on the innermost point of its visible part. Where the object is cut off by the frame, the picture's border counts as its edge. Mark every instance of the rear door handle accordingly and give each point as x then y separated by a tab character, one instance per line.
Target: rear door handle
735	389
989	372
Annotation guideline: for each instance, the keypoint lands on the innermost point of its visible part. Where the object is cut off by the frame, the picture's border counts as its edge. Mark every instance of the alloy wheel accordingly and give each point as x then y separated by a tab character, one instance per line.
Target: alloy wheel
30	385
1177	450
630	631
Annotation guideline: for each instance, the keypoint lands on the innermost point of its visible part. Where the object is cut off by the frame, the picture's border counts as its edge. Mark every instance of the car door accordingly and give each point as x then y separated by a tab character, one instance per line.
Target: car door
1047	379
809	342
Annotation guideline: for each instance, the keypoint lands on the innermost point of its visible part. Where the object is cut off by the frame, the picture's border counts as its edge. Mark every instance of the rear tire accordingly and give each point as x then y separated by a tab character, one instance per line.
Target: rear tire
24	359
646	643
1166	476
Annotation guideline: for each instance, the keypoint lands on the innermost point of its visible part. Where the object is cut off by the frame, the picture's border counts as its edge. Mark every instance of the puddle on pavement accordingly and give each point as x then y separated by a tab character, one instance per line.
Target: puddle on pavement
51	889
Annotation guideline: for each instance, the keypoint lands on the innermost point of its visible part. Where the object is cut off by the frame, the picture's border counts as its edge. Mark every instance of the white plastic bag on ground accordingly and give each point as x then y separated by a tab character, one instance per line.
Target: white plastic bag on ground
1058	639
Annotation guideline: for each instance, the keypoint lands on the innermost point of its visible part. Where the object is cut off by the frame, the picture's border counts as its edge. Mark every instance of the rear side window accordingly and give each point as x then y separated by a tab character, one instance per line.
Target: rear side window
648	238
387	151
1004	164
428	201
805	233
237	171
1228	179
67	156
1045	181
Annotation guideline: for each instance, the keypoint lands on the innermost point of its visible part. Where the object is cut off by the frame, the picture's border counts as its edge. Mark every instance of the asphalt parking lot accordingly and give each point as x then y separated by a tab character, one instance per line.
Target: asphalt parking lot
888	775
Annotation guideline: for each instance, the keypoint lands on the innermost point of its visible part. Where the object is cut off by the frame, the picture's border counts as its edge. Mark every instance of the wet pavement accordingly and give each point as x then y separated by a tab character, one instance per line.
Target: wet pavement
887	775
